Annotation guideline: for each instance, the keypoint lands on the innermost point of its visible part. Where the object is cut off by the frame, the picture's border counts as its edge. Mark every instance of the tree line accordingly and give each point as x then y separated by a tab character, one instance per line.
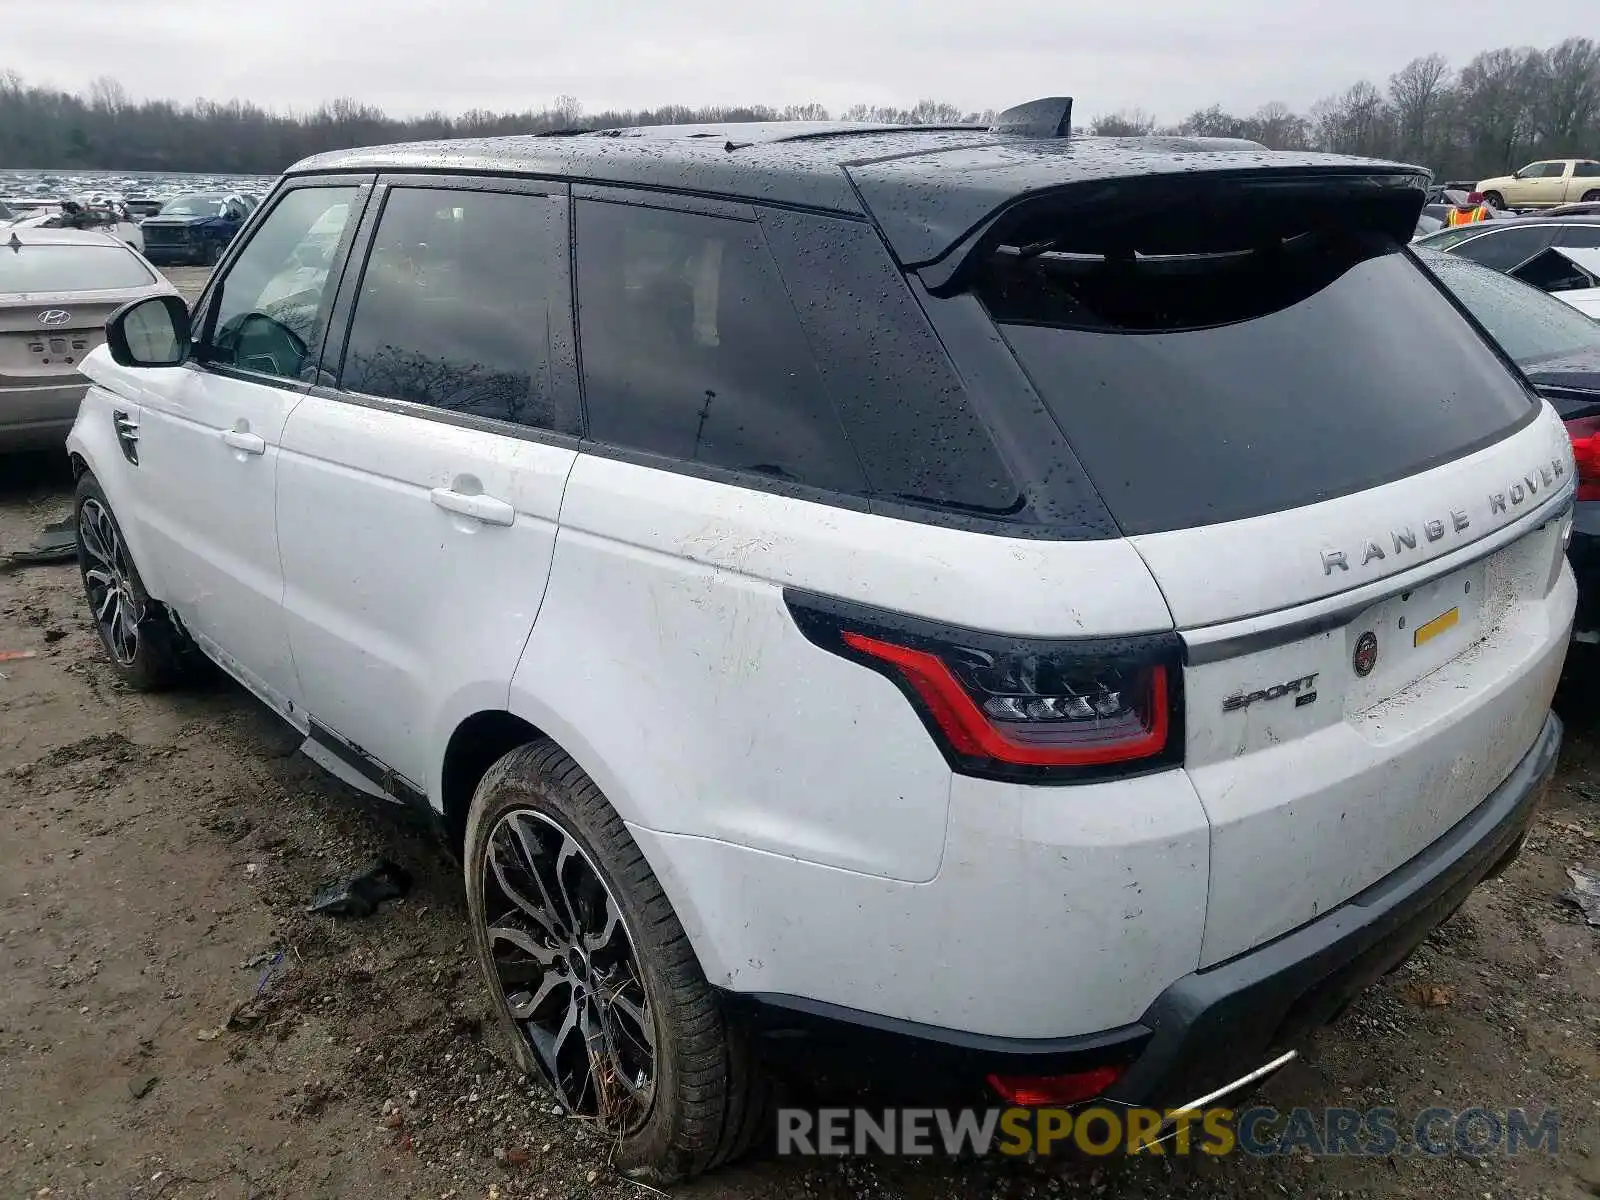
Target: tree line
1502	109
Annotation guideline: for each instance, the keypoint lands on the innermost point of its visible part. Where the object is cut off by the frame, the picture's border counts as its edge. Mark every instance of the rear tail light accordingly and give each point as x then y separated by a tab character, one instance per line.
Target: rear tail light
1585	435
1056	711
1474	198
1040	1091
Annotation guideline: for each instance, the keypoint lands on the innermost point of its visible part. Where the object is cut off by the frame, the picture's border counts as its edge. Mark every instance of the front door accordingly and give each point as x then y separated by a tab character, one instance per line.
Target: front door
209	443
418	498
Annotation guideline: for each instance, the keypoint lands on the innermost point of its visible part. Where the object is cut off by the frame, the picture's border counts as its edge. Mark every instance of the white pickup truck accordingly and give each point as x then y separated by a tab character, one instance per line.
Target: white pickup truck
1545	184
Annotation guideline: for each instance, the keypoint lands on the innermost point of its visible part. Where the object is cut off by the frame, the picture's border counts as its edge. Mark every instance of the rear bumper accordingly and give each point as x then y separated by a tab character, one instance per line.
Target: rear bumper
33	417
167	255
1215	1024
1218	1024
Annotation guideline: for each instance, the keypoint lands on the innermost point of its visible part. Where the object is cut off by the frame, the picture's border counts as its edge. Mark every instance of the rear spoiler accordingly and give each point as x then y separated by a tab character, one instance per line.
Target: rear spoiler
1135	212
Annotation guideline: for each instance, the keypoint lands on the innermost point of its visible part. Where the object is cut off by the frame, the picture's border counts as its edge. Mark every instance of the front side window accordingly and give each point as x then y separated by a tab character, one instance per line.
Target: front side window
464	304
1505	248
1546	170
273	304
692	350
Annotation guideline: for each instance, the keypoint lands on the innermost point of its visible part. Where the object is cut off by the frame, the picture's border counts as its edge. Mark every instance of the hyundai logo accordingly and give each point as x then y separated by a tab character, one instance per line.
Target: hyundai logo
54	316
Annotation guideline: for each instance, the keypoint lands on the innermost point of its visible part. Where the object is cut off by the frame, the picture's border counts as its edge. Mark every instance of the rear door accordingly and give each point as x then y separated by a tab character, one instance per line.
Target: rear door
1350	502
420	484
209	436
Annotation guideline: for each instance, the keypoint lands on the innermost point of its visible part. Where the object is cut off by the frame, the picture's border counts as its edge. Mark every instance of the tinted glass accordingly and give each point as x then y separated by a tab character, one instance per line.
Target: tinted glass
273	304
1580	236
692	349
1505	248
1339	384
902	404
463	298
35	268
1549	170
1587	170
1531	326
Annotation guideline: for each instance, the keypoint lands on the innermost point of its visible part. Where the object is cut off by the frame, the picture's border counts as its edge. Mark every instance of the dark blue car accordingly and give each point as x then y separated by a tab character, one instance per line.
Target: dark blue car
194	228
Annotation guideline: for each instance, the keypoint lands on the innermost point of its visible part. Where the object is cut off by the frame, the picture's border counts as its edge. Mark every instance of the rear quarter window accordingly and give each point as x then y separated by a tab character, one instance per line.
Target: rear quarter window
692	352
1214	388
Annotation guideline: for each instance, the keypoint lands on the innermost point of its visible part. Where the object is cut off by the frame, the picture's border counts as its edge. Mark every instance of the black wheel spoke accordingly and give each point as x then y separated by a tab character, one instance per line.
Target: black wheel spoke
565	964
508	874
108	582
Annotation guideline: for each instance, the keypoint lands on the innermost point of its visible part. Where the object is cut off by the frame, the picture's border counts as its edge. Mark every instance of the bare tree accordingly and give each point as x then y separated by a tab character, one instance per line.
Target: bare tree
1417	91
1126	122
108	94
1279	127
1566	95
1496	110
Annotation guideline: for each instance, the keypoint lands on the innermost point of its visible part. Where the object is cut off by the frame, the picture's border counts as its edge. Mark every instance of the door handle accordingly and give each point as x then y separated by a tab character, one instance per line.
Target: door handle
477	506
248	443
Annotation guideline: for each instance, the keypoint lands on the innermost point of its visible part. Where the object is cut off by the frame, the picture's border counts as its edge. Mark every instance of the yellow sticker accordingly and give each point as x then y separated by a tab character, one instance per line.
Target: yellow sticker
1445	620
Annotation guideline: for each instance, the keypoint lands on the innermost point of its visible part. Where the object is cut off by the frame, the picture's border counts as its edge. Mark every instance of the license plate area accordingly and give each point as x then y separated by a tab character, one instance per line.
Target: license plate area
1414	632
60	349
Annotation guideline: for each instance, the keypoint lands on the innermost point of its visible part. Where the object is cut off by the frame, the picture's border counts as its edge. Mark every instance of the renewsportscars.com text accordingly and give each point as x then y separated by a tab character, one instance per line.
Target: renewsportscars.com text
1260	1132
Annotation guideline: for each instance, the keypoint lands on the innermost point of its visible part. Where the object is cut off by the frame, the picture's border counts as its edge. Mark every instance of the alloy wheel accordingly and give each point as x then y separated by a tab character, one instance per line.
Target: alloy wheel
567	971
108	580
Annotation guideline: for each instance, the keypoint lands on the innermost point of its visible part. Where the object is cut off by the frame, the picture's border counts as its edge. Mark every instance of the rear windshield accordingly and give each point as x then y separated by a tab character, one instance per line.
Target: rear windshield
193	206
1257	370
70	268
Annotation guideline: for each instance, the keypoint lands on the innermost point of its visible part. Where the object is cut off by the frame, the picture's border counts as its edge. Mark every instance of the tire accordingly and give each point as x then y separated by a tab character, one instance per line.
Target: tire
212	252
707	1095
148	650
1591	197
1494	200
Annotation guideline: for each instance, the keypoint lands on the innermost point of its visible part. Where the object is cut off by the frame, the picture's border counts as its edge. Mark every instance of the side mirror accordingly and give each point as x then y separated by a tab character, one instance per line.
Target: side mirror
153	332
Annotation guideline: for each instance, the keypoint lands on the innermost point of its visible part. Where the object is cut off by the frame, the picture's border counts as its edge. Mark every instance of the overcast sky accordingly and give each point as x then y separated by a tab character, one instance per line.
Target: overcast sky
409	56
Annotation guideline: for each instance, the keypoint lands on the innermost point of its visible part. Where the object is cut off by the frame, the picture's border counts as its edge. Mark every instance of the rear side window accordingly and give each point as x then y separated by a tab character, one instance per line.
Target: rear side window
1505	248
692	351
1258	371
464	304
1587	170
1580	236
70	268
902	404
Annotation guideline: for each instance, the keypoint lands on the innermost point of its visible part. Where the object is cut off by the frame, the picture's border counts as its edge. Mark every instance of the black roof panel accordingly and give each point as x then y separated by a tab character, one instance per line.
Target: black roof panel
926	186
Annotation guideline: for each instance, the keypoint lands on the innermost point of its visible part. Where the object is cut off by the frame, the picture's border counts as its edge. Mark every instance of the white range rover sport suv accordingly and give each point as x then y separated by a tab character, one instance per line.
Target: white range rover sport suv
1075	611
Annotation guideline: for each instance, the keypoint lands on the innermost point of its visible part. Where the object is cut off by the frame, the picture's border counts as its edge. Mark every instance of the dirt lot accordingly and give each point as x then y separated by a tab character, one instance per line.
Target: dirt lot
174	1024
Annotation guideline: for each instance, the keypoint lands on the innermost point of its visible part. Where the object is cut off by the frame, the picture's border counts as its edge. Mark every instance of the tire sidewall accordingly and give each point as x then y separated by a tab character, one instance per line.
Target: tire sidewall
155	659
515	783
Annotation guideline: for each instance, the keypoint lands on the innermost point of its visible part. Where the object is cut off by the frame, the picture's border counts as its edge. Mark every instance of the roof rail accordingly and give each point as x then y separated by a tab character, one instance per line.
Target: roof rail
1047	118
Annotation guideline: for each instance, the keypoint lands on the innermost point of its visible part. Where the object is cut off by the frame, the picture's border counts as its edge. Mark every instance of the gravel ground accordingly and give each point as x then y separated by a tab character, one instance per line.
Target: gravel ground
174	1024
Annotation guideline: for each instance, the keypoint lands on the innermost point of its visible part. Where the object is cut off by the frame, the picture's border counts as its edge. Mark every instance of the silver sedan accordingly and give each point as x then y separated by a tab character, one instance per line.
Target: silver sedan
57	287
